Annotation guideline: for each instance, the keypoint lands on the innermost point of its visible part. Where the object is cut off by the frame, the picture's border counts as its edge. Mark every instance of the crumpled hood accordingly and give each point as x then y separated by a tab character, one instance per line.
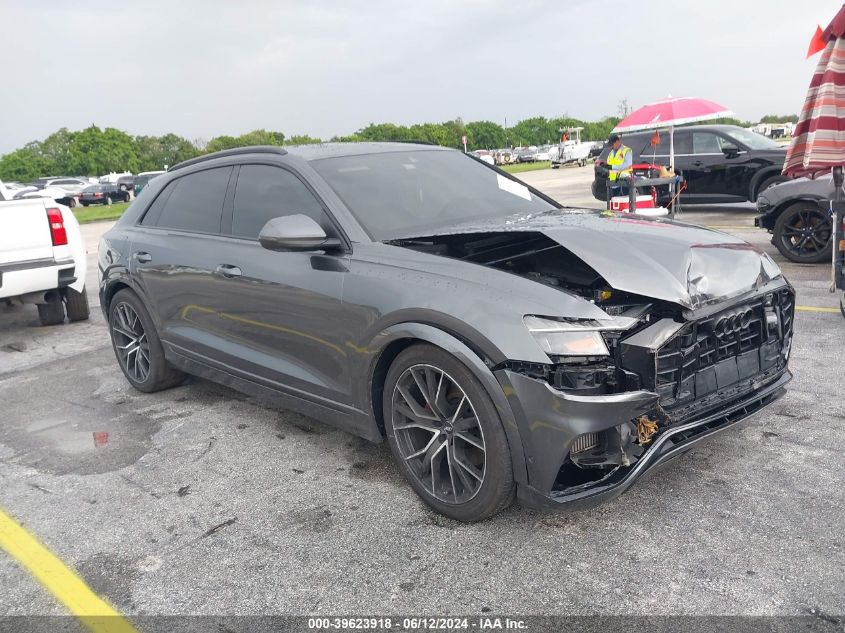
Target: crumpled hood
653	257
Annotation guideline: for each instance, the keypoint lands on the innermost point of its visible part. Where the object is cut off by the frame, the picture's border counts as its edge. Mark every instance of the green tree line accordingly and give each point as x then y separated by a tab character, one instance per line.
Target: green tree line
779	118
94	151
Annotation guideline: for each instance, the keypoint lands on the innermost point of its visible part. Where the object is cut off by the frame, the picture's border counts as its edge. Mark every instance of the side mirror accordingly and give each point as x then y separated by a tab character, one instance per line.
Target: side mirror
729	150
295	233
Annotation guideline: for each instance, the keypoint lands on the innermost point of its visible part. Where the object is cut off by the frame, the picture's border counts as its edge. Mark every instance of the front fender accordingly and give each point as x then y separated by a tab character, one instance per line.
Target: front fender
473	362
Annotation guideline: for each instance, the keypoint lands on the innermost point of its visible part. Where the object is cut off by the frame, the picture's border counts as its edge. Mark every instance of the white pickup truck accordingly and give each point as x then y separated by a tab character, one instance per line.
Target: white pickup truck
42	258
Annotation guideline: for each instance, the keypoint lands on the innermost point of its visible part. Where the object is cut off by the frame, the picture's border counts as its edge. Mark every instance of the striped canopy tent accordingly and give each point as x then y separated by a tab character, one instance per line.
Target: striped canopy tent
818	142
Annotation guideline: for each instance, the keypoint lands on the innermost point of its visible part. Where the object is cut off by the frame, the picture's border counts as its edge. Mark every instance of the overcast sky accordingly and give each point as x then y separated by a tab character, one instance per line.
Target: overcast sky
205	68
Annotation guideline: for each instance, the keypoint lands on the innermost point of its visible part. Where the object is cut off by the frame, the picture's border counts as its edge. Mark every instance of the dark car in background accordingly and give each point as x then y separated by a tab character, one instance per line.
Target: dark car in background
500	344
143	178
126	182
720	163
103	194
796	213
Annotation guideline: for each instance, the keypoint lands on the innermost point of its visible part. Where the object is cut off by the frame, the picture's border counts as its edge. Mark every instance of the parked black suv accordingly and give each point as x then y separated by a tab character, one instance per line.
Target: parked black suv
721	163
501	344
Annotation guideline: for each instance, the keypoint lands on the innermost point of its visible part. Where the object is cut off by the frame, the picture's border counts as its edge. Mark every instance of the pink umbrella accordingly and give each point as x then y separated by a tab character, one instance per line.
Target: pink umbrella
669	113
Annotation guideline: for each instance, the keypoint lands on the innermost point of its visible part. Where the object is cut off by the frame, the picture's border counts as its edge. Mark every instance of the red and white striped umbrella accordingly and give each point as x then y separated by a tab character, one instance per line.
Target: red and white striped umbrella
818	142
670	112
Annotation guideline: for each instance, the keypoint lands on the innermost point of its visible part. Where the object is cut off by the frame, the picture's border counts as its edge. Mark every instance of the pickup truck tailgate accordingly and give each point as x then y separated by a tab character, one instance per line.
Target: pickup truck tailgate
24	231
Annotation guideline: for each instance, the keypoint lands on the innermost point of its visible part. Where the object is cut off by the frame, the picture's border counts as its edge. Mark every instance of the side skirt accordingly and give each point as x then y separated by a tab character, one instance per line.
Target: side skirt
349	420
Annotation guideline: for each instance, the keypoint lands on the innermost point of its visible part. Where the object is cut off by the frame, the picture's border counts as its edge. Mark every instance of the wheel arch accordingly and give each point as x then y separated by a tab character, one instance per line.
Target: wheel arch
785	204
114	286
395	339
759	178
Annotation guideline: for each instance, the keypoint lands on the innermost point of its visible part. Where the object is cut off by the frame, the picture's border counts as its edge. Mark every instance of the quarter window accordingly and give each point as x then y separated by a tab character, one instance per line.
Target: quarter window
192	203
265	192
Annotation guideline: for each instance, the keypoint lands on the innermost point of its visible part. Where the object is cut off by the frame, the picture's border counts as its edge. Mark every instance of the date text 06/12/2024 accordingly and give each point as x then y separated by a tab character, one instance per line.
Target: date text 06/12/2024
415	623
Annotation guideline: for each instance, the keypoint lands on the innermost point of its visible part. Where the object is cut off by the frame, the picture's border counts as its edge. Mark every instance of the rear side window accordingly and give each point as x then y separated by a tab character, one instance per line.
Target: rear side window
265	192
660	149
705	143
191	203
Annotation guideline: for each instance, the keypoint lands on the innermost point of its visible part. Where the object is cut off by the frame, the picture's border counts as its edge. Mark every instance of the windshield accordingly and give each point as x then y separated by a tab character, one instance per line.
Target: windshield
752	140
402	194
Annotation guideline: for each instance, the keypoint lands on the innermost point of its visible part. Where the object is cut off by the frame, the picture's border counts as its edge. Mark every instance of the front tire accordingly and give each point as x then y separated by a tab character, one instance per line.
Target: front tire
803	232
446	436
77	305
137	346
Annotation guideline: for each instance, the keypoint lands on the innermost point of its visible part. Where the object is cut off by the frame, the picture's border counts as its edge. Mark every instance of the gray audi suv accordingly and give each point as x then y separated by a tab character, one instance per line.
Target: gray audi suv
502	345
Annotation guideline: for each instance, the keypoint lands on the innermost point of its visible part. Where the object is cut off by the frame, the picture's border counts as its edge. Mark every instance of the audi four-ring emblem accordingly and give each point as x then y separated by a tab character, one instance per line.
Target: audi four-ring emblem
732	322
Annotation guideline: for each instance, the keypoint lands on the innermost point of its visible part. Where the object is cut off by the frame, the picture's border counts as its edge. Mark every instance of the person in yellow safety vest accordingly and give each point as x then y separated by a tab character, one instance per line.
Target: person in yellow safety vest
619	160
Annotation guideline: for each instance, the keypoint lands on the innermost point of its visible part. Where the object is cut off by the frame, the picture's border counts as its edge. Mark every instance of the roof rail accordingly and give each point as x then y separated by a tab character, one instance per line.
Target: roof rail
411	141
254	149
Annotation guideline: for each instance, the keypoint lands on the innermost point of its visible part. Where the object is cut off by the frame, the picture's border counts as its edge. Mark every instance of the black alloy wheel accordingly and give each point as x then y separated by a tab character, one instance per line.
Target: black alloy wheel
803	233
130	342
446	435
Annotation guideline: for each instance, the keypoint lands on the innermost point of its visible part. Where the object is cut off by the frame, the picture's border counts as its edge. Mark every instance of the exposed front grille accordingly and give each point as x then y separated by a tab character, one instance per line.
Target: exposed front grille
585	442
712	354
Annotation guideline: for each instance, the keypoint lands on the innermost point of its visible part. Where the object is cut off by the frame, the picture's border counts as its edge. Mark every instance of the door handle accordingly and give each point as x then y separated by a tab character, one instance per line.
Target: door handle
227	270
143	258
698	163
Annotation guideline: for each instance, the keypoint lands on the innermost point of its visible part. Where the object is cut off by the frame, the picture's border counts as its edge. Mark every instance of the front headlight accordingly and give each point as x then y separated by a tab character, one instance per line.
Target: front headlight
574	337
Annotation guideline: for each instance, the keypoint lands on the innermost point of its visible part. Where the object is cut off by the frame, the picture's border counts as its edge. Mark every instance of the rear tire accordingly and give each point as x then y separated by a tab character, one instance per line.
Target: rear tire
84	204
464	471
137	346
51	313
76	304
768	183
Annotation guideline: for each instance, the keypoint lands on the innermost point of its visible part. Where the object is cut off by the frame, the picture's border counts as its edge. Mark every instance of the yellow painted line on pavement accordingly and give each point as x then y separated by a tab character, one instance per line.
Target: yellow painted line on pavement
816	309
60	580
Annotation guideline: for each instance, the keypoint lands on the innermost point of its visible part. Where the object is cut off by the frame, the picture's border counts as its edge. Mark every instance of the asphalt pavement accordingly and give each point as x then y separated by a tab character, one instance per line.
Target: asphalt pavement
200	500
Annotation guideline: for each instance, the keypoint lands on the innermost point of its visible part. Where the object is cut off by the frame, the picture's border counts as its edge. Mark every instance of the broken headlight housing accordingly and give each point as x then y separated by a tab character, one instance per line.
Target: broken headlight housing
575	337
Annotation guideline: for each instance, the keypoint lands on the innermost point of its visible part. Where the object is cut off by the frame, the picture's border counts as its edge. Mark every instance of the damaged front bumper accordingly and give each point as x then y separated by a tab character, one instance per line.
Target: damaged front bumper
551	422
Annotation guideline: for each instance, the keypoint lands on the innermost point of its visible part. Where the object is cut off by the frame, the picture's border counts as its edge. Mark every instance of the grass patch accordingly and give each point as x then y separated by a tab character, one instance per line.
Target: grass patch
520	167
99	212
